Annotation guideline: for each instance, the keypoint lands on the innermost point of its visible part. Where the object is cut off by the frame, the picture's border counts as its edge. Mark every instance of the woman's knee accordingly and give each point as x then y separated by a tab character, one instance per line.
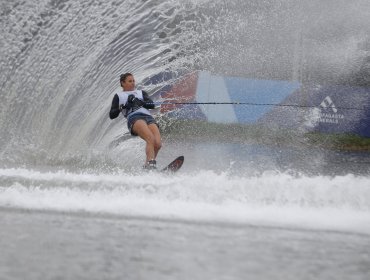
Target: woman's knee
157	145
150	139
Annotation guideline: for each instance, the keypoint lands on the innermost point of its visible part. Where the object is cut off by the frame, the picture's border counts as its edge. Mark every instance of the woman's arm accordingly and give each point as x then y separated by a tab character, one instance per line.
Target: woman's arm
149	104
114	110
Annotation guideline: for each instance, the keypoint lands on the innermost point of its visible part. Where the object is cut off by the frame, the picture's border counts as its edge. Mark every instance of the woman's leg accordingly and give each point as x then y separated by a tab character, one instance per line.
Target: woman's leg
157	138
141	129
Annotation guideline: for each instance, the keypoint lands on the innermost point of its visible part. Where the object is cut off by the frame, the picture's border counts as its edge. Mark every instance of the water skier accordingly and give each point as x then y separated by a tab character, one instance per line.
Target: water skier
134	105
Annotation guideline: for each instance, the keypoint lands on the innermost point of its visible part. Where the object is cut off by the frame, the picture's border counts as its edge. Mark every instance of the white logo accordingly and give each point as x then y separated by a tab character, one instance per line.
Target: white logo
330	113
328	103
326	113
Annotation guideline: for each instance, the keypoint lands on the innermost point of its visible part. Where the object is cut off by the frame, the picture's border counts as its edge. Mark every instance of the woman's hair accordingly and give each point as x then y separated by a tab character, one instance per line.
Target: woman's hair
123	77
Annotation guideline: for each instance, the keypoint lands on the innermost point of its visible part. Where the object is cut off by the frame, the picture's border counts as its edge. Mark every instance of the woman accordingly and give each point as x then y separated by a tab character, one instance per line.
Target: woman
134	105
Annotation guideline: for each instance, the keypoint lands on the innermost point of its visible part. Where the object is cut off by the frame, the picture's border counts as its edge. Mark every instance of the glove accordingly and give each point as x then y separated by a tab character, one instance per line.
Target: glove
130	98
132	101
129	104
138	102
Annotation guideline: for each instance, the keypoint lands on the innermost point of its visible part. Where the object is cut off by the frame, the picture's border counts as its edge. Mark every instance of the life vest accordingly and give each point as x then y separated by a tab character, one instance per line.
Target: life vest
123	96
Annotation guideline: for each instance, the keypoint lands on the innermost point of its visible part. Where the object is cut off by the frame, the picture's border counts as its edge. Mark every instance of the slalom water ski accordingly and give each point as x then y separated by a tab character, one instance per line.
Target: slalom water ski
174	165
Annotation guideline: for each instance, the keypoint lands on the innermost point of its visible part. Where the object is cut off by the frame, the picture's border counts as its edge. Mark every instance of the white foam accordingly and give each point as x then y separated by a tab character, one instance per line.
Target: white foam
273	199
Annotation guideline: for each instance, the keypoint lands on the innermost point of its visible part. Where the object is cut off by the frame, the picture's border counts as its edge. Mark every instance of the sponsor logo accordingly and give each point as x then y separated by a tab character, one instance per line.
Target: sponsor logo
329	112
328	103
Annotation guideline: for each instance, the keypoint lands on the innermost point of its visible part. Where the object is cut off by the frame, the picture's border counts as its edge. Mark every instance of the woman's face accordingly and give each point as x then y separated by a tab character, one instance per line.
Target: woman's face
129	83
